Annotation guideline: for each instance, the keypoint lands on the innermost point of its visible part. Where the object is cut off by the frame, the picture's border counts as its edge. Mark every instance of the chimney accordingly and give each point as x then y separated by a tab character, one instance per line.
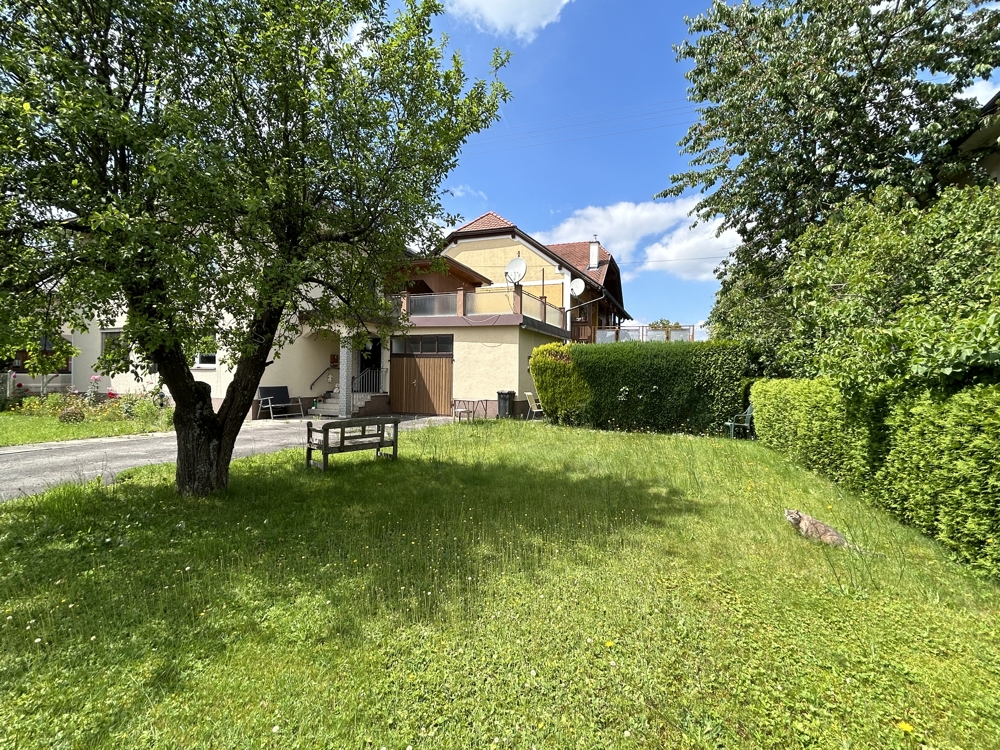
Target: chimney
595	253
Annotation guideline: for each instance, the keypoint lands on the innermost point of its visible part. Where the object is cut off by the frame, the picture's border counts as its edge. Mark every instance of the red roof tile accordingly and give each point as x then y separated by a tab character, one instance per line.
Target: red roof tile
488	220
578	253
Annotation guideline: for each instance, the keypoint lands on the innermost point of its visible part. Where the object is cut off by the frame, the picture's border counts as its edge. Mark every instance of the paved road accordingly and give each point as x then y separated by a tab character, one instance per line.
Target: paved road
30	469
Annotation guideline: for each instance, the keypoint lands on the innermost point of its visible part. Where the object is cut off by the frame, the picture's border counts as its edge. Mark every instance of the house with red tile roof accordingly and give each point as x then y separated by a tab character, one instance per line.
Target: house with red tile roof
472	328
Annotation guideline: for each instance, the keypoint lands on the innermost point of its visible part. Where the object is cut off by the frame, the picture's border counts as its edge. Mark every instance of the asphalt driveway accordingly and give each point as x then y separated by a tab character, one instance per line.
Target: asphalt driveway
30	469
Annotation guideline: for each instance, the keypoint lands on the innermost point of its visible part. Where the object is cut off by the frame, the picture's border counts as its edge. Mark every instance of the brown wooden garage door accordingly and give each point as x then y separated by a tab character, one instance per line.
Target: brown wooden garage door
420	374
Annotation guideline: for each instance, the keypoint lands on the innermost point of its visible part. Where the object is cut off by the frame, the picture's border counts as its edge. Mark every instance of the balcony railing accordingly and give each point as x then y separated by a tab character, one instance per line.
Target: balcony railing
498	301
489	303
433	304
608	334
533	307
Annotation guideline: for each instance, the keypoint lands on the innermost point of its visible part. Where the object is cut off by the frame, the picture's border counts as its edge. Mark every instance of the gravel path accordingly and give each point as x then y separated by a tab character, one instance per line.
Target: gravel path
30	469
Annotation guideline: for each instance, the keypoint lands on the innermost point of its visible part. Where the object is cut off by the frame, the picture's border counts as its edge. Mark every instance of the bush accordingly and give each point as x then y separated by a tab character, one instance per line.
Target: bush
941	472
664	387
810	422
562	392
72	415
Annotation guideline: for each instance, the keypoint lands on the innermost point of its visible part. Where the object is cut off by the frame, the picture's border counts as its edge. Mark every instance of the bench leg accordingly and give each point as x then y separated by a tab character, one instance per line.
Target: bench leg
326	460
309	455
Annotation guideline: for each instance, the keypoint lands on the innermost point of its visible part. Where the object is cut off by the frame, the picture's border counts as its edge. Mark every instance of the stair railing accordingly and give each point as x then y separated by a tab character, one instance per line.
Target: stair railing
370	381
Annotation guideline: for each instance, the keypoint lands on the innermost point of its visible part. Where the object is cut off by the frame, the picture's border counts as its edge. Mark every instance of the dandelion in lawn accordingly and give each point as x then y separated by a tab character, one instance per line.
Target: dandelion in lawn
628	733
609	644
906	727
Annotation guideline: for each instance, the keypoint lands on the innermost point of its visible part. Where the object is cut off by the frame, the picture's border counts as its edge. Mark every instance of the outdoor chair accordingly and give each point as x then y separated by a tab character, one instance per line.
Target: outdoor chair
276	397
533	407
742	421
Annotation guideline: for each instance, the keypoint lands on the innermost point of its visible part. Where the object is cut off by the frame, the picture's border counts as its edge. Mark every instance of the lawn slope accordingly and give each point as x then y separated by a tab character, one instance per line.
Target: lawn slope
502	584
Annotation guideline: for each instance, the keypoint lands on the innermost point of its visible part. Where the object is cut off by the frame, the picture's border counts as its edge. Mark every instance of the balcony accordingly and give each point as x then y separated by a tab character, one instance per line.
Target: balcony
484	302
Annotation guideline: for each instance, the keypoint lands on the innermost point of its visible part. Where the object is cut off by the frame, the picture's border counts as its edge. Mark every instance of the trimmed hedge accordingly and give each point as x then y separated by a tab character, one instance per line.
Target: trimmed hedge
562	392
942	471
810	422
658	386
939	470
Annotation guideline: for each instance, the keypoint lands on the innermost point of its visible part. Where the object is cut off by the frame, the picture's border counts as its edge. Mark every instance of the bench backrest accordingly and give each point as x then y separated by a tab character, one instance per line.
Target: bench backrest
277	393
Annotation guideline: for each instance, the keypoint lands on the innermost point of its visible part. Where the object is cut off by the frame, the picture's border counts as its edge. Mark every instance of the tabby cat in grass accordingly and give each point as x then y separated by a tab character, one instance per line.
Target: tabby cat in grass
812	528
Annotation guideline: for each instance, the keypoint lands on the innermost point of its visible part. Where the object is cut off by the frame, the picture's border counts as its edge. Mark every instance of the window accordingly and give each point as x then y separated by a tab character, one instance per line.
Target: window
208	356
423	345
109	339
204	360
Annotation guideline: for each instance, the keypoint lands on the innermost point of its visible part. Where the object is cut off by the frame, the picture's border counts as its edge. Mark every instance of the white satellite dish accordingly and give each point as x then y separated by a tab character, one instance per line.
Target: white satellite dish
516	270
576	287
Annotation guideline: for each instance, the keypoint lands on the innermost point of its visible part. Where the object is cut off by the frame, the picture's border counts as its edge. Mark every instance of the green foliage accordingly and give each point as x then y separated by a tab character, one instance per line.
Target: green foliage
810	422
72	415
659	386
804	103
890	296
942	475
222	169
142	409
562	391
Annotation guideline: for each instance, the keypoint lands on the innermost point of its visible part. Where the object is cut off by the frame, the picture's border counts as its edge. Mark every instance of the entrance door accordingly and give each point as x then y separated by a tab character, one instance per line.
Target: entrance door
369	378
421	370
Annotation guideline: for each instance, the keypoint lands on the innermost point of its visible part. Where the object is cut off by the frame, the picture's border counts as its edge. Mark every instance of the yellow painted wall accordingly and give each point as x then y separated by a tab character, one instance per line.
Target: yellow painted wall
528	341
486	359
491	256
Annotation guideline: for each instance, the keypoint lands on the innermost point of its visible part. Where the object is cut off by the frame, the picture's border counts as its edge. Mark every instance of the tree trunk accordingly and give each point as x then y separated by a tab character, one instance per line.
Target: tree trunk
202	452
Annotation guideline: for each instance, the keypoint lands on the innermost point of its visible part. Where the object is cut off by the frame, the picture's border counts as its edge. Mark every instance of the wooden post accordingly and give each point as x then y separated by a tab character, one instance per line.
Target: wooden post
460	303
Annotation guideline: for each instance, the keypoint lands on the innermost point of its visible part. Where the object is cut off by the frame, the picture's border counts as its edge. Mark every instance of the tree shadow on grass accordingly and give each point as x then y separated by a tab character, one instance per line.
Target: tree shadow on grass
291	557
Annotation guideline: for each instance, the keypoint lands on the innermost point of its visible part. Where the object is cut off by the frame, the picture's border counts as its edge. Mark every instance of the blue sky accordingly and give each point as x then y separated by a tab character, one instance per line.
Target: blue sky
590	137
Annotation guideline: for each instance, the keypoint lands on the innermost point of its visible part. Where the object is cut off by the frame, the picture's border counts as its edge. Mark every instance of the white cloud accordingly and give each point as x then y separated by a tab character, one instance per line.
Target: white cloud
690	253
465	191
522	18
676	247
982	90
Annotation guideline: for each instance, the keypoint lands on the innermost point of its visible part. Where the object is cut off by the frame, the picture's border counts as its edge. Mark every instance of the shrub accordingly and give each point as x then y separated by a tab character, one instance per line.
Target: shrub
941	472
810	422
664	387
72	414
561	389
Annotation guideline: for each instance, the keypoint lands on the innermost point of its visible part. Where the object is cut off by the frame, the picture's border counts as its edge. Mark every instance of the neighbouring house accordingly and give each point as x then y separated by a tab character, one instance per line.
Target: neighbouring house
471	331
985	138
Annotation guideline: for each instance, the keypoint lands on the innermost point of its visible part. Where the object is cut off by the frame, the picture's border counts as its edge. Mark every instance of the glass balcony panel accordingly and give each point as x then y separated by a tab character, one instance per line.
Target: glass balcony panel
489	303
606	336
433	304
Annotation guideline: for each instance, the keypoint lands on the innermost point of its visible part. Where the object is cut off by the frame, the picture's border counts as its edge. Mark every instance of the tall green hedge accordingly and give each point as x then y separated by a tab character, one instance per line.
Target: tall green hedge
933	460
942	471
660	386
810	422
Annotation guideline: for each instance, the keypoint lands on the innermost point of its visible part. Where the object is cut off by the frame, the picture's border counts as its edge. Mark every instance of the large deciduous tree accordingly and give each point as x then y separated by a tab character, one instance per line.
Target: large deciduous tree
807	102
226	168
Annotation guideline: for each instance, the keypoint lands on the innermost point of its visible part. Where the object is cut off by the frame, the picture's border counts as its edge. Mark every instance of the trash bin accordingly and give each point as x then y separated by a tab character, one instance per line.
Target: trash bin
505	404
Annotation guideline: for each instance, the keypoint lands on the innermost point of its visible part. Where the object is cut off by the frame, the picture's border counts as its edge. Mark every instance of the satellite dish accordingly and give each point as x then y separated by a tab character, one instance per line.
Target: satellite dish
516	270
576	287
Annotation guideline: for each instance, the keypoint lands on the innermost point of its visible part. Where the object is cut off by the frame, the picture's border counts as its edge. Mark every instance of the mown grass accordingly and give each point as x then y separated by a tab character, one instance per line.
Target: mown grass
18	429
500	585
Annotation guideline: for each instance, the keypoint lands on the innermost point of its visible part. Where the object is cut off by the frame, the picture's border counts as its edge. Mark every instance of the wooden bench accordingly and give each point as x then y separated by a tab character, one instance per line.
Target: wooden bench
355	434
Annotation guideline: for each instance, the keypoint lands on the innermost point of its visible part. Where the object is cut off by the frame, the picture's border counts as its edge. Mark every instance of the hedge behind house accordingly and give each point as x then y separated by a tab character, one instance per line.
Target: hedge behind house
659	386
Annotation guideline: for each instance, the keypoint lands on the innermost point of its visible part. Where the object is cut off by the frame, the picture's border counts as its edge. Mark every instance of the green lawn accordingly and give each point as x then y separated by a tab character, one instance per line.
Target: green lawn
17	429
501	584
